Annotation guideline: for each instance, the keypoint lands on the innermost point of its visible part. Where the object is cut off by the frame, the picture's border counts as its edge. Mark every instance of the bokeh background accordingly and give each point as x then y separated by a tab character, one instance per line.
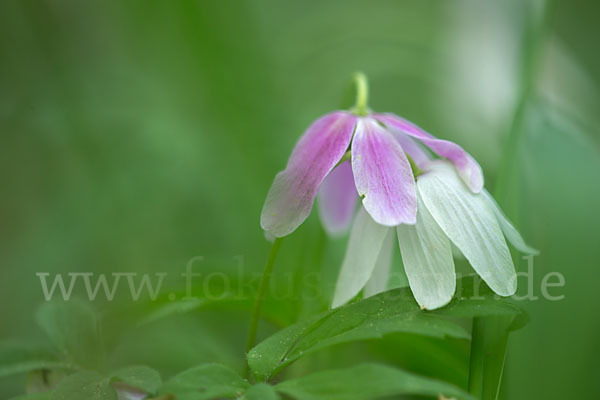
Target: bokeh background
136	135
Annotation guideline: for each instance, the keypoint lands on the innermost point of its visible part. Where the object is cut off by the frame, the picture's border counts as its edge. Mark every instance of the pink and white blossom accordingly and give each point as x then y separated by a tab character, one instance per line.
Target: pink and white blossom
449	213
380	174
425	192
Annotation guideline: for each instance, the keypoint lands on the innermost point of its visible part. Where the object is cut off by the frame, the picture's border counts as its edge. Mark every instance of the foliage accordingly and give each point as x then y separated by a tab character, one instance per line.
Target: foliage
136	136
72	330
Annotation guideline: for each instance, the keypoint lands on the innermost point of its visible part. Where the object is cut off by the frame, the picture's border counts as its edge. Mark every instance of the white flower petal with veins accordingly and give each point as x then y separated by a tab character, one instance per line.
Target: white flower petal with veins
511	233
364	247
470	224
427	258
380	276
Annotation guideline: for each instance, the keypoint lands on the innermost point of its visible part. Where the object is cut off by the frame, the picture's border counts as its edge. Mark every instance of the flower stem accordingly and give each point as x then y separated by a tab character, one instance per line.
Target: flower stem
476	359
488	350
362	94
262	288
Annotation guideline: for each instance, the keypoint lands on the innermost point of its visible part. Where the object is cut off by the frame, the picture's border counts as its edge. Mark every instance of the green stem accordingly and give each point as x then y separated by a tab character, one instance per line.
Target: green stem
262	288
362	94
476	359
488	350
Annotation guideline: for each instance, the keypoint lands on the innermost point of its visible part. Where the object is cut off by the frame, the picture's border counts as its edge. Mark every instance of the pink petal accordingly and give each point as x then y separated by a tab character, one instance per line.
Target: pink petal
337	199
468	169
293	192
383	175
414	149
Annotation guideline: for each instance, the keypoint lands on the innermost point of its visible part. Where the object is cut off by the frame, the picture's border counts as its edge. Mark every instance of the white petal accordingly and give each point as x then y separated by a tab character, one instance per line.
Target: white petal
365	244
470	224
511	233
381	274
427	258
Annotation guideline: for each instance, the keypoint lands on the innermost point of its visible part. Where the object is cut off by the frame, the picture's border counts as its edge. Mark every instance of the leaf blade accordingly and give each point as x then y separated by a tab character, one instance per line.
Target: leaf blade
72	328
138	376
205	382
261	391
363	382
389	312
87	385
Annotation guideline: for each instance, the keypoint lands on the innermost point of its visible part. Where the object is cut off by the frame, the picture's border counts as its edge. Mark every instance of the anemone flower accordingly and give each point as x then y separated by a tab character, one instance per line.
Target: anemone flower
379	172
449	212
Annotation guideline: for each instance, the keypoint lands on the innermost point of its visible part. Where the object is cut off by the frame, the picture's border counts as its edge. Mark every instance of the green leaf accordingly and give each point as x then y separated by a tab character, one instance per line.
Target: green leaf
71	327
16	359
473	298
374	317
138	376
262	391
393	311
366	381
86	385
205	382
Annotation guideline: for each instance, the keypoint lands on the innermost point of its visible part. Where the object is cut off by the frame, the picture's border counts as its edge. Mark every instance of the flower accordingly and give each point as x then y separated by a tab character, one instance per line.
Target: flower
432	204
449	212
379	171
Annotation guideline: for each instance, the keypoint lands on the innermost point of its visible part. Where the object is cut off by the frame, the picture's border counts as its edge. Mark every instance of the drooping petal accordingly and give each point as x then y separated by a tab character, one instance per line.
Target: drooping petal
364	247
511	233
337	199
383	175
414	149
378	281
427	259
470	224
468	169
293	192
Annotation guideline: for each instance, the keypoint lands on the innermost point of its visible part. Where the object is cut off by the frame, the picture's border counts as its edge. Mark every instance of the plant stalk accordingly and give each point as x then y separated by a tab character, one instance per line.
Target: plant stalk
488	351
262	288
362	94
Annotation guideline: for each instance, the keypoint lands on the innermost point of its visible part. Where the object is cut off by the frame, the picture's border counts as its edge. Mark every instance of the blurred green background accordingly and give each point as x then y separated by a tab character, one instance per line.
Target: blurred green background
137	135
